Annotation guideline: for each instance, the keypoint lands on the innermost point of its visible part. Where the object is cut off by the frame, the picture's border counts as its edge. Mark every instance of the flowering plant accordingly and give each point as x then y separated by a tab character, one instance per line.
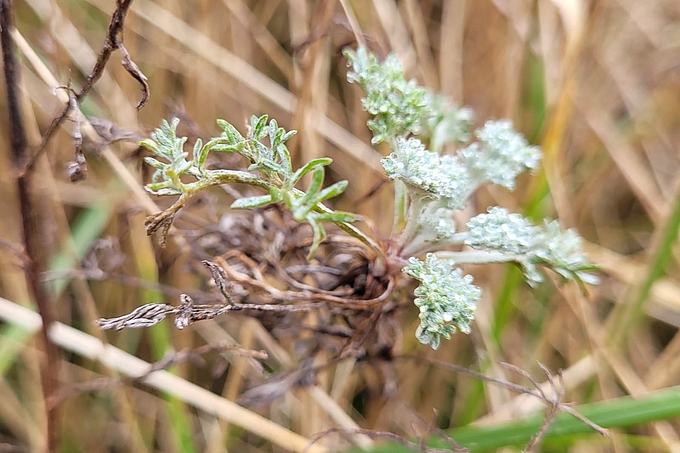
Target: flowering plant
430	186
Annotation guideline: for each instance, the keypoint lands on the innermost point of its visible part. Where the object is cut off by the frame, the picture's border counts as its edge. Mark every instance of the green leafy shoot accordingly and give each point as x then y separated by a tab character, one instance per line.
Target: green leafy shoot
264	146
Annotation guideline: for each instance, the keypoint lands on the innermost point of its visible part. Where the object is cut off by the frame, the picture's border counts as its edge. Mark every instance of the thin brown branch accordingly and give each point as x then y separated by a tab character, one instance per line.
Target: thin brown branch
553	409
188	313
531	379
220	278
29	219
162	221
433	428
551	415
78	167
112	42
259	282
136	74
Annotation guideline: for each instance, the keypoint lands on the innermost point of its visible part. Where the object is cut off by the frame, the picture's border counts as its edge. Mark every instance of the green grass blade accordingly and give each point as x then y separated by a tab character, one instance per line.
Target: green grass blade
161	344
13	339
616	413
662	253
87	228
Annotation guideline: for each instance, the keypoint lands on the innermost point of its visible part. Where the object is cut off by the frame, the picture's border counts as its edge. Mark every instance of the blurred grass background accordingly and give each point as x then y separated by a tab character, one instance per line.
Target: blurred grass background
595	83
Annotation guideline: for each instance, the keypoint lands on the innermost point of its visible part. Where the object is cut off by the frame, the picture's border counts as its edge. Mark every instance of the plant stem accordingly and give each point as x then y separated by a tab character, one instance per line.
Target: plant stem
478	257
412	222
29	219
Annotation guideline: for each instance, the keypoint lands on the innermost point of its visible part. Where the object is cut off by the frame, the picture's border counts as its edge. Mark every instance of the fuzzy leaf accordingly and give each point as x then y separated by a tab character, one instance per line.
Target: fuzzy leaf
155	163
252	202
319	235
258	125
309	166
330	192
230	132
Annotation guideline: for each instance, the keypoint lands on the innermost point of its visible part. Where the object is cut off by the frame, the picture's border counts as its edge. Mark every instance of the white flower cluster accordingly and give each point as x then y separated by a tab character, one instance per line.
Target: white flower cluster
446	122
431	175
446	298
441	222
400	107
562	251
550	245
396	105
432	186
501	156
501	230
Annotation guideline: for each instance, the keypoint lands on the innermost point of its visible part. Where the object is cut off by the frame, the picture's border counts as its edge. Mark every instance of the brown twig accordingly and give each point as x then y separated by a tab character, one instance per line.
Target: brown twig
188	313
112	42
77	168
162	221
220	278
433	428
552	410
259	282
29	220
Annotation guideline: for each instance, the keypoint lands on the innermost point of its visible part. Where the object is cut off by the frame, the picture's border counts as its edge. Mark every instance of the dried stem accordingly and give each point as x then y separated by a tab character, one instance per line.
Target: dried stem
112	42
259	282
187	313
29	220
552	410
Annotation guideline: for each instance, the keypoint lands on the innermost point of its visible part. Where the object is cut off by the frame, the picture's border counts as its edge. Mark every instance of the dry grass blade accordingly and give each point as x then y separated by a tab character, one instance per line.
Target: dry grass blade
87	346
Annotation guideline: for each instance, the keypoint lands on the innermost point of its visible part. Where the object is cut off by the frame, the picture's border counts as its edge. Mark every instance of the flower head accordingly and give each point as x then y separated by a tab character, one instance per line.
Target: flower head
447	299
500	155
549	245
395	104
400	107
428	174
501	230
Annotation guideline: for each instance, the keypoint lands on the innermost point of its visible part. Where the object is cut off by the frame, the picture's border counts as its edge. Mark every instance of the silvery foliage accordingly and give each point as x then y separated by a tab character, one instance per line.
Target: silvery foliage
500	155
399	107
548	245
270	169
428	174
438	185
446	298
